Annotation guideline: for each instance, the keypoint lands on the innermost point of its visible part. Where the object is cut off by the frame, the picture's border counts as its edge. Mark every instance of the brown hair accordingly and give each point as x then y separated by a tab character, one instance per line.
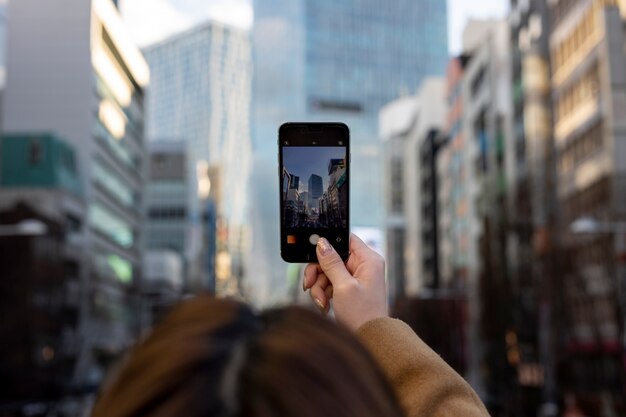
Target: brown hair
214	357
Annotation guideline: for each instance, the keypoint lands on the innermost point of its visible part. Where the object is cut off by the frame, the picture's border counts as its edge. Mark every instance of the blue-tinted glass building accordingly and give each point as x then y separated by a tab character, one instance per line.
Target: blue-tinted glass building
336	60
200	94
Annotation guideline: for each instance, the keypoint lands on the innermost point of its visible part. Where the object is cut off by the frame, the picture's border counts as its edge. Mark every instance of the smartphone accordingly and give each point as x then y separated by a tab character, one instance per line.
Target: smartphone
314	181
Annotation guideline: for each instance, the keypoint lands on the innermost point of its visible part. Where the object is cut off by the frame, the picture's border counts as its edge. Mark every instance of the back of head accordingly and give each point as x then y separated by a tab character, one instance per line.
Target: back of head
218	358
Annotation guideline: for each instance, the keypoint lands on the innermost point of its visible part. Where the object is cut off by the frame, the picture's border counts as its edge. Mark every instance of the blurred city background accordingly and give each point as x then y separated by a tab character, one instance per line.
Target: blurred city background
138	166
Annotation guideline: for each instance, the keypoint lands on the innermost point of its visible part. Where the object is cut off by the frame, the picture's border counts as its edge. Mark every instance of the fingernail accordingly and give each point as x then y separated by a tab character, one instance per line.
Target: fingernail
324	247
319	303
304	283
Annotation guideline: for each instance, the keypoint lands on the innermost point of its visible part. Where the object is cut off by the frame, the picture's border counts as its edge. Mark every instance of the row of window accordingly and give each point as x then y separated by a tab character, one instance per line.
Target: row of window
581	148
167	213
584	90
110	225
561	8
597	251
112	183
579	37
593	200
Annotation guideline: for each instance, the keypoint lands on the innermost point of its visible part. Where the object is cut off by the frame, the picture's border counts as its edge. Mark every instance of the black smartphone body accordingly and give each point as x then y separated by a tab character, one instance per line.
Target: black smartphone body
314	178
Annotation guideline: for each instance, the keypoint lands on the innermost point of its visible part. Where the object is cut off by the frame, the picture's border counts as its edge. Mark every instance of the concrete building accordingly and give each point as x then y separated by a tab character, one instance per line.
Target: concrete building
486	90
531	205
90	92
200	94
42	268
168	209
419	188
162	285
396	121
588	77
454	182
412	131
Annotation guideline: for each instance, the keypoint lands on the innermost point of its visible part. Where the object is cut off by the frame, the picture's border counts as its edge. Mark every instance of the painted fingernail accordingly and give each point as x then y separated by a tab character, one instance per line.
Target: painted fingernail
319	303
324	247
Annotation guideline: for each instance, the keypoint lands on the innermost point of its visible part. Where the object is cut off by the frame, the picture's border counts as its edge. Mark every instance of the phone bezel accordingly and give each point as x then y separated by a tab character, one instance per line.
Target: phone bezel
312	134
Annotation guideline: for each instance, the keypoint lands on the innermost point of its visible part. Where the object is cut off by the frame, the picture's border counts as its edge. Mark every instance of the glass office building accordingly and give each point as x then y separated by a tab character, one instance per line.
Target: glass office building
200	94
331	60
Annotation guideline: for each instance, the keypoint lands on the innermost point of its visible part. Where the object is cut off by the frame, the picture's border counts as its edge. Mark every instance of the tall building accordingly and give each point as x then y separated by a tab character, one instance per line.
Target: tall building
42	269
338	61
316	186
588	78
531	205
168	214
454	184
413	137
200	94
295	182
89	92
486	89
396	121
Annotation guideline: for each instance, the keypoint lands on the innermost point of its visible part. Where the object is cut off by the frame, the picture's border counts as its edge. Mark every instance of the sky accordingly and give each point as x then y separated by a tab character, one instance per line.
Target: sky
152	20
303	161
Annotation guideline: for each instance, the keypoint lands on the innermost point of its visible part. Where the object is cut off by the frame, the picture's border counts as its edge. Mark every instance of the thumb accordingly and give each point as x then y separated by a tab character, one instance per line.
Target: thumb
331	263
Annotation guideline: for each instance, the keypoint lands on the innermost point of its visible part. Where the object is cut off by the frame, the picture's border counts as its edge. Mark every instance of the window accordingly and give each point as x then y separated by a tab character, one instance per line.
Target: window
111	226
585	89
115	186
35	152
167	213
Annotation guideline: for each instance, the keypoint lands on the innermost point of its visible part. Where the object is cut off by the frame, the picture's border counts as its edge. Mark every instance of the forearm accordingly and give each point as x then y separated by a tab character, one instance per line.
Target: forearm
425	384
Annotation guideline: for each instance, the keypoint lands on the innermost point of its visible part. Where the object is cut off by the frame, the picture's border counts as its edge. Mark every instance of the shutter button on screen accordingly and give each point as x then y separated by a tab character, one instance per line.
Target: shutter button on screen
313	239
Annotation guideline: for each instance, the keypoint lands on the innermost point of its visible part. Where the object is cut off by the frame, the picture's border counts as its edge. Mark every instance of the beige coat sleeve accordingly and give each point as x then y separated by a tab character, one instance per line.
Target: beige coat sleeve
424	383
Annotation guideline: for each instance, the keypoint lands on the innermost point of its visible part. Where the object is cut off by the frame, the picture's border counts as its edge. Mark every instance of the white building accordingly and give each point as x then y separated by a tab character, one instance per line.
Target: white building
406	126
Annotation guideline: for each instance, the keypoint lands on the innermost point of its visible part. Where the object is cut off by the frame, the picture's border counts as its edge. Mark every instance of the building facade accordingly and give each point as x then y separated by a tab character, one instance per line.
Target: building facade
396	121
169	225
325	61
42	270
91	93
200	94
413	135
487	112
588	80
453	174
531	206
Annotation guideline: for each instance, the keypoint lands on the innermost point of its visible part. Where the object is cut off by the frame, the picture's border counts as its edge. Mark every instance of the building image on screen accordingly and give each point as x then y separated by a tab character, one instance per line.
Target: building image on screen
314	187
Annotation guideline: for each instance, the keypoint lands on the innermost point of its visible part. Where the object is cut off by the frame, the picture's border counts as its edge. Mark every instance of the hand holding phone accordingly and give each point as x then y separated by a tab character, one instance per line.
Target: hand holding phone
357	287
314	180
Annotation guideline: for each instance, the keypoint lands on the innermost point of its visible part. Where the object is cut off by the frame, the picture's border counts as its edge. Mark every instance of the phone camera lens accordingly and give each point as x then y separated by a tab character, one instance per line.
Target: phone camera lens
314	143
286	142
340	143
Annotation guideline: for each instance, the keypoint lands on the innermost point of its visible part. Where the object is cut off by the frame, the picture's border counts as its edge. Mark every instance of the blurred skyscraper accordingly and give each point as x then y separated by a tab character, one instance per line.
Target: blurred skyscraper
588	78
200	94
412	130
77	75
334	61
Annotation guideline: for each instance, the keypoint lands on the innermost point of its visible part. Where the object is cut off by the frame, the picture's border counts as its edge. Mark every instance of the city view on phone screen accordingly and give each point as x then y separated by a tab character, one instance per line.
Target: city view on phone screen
314	187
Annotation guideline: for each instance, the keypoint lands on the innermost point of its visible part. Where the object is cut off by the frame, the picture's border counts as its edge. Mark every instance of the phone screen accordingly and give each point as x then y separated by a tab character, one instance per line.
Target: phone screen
314	181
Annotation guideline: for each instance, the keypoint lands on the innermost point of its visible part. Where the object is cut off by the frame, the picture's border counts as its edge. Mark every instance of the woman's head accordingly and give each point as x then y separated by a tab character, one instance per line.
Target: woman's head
218	358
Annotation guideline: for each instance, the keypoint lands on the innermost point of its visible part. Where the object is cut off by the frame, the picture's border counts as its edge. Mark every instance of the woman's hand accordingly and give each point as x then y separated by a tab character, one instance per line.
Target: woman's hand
357	287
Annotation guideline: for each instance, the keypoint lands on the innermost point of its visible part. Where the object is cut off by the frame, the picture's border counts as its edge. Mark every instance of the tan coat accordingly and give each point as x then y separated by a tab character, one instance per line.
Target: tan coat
424	383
